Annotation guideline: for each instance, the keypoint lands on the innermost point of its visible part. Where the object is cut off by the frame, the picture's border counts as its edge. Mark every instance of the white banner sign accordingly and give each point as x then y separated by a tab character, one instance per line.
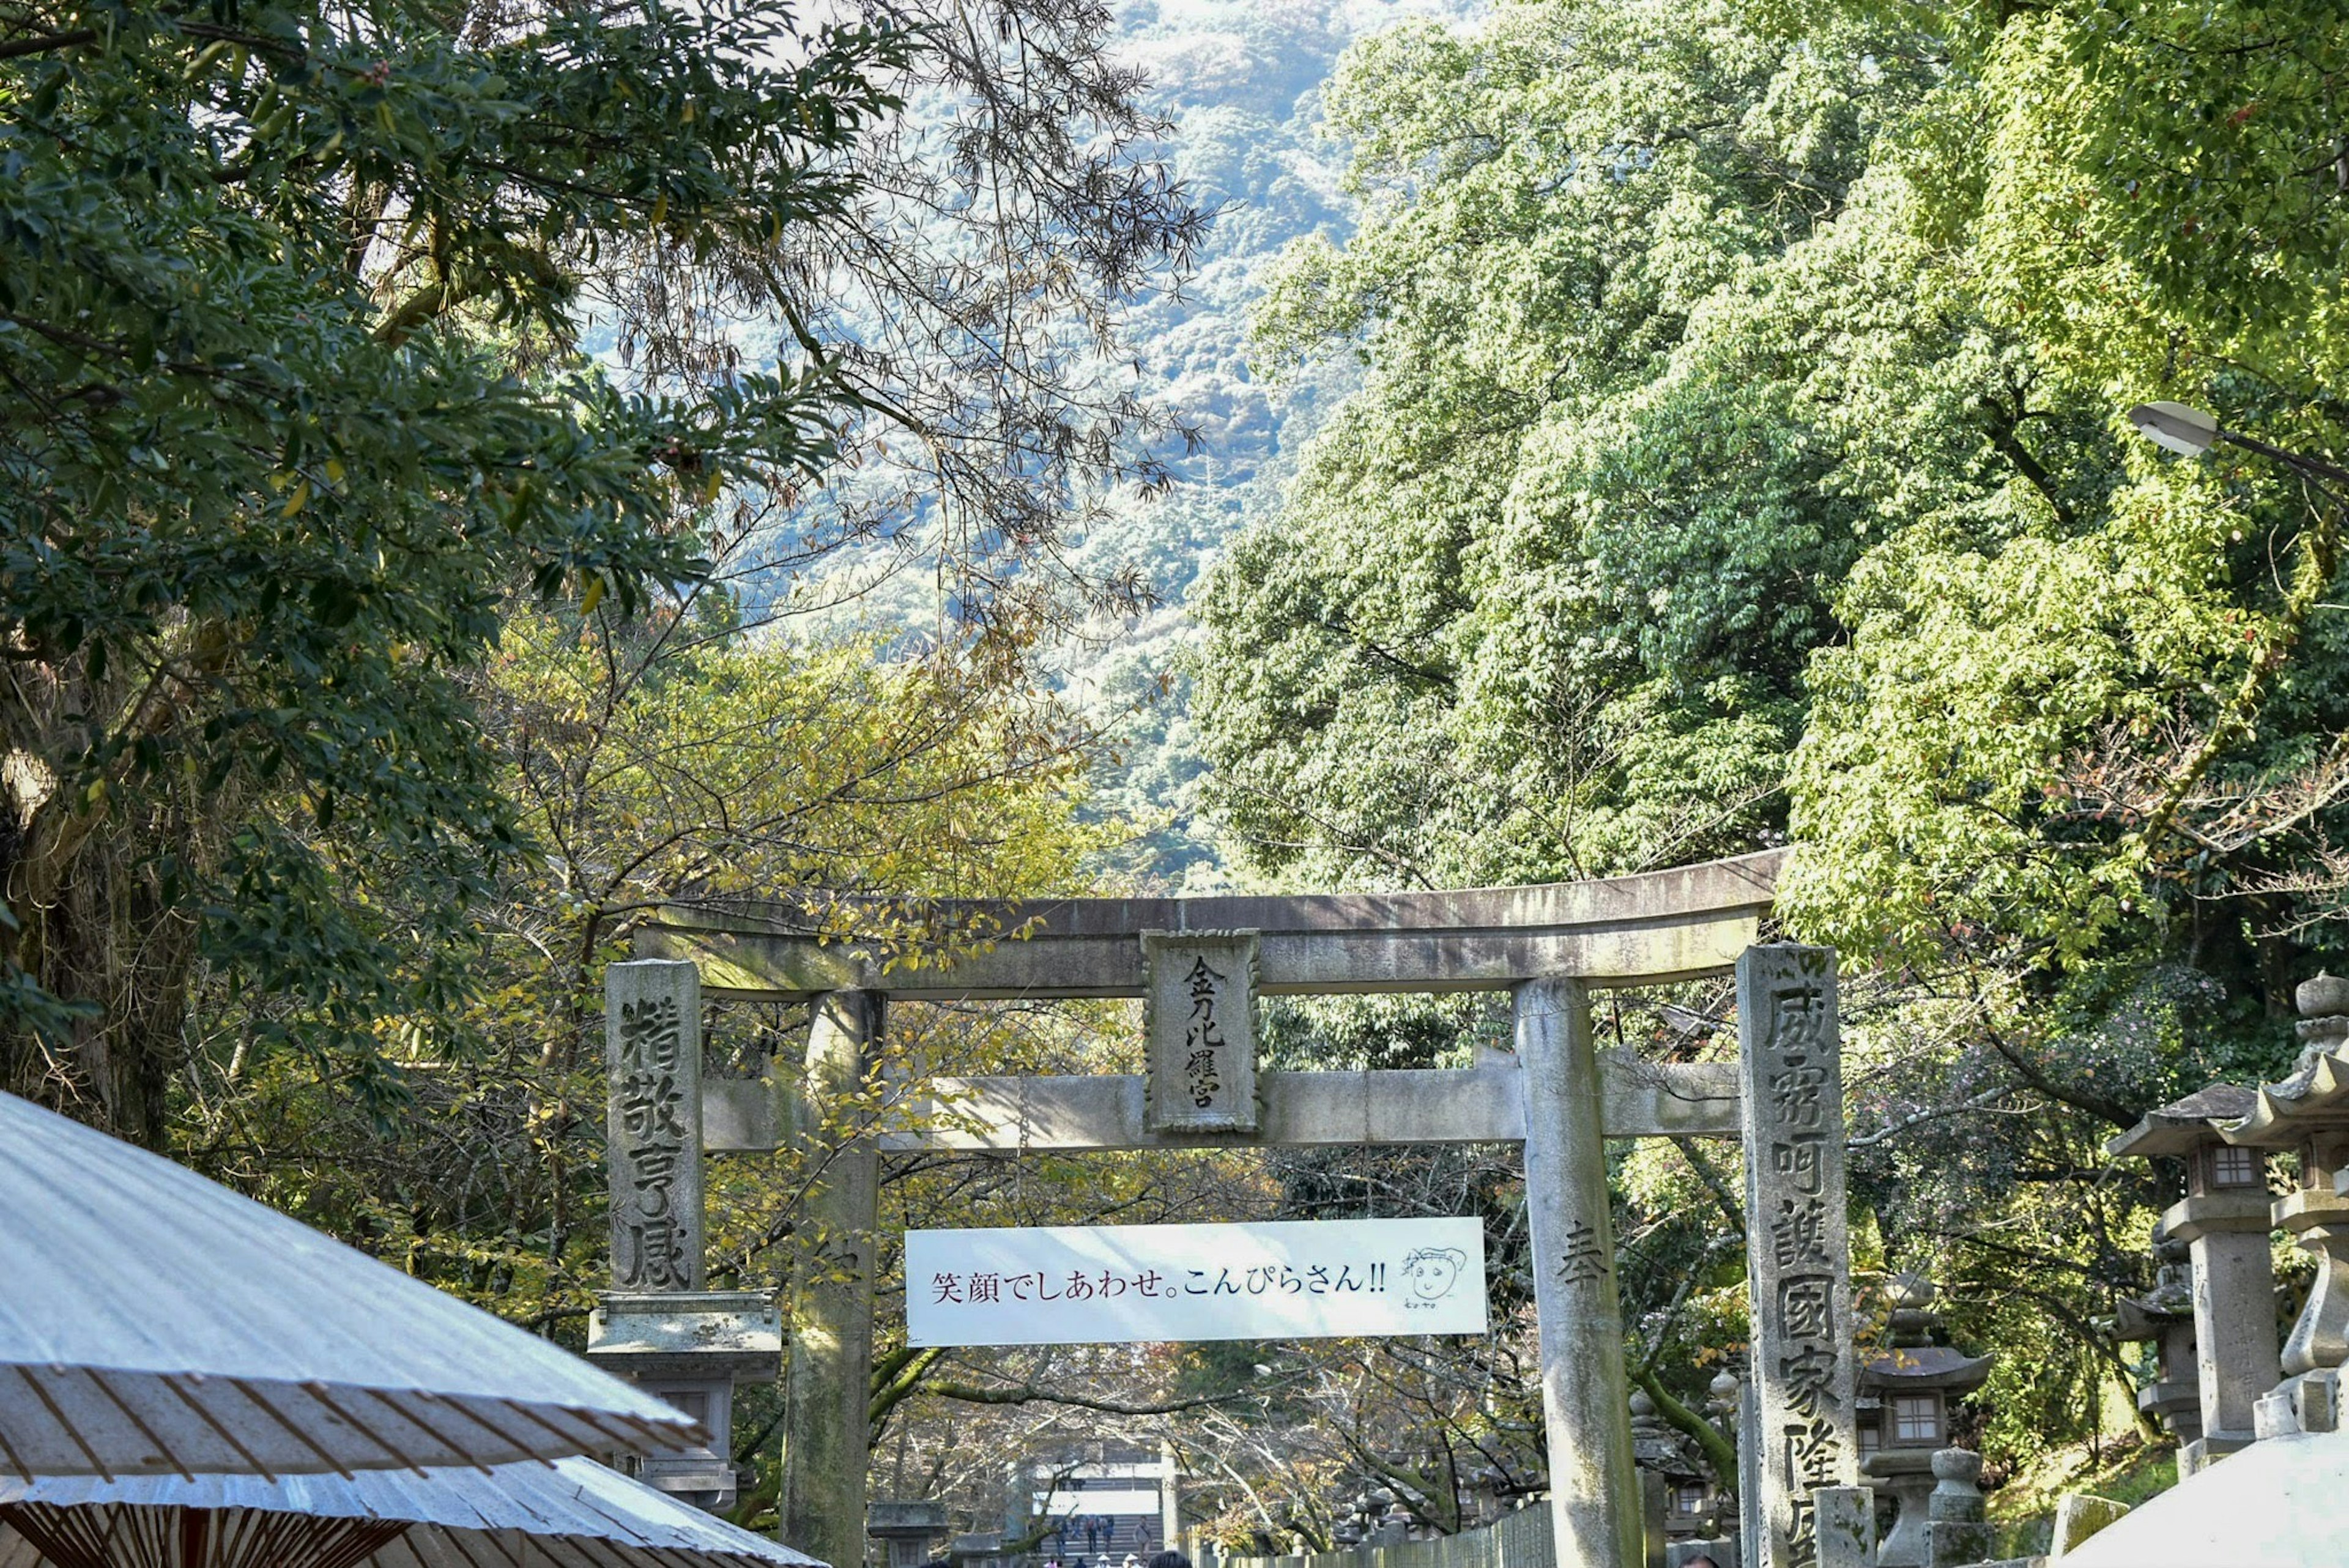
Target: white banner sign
1117	1284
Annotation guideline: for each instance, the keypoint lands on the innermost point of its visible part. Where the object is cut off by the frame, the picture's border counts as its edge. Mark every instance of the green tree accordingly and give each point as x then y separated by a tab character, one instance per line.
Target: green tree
1740	454
285	312
1539	602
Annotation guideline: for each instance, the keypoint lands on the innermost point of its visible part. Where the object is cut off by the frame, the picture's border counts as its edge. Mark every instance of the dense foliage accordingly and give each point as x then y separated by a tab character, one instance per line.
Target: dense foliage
1741	459
286	314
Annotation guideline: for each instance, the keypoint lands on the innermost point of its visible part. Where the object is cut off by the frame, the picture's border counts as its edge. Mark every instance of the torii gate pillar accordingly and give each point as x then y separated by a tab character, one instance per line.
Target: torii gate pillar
826	1424
1594	1489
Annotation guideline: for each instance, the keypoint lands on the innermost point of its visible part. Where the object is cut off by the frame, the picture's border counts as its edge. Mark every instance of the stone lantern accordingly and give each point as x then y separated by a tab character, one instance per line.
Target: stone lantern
905	1531
1905	1390
2224	1220
2308	1114
1690	1501
2166	1319
688	1347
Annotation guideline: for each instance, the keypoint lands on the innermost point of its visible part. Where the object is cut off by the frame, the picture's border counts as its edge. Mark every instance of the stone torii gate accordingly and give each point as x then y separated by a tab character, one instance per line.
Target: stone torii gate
1559	1096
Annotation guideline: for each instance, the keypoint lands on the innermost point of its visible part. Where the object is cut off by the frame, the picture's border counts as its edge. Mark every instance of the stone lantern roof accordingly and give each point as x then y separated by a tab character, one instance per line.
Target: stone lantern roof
2313	1099
1927	1367
2182	1127
1911	1361
1656	1445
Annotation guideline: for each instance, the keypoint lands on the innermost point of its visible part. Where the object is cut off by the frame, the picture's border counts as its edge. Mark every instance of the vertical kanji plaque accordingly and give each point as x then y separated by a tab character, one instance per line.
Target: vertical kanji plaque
1199	1018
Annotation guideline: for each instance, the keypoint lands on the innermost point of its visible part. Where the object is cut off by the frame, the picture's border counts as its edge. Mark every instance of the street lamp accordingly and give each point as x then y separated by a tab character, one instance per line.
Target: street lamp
2190	433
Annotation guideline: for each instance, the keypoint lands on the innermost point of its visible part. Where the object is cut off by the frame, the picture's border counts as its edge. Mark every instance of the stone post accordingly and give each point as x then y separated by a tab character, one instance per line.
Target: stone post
2078	1516
1655	1502
652	1055
1846	1526
658	1325
825	1393
1798	1268
1960	1532
1593	1490
2235	1353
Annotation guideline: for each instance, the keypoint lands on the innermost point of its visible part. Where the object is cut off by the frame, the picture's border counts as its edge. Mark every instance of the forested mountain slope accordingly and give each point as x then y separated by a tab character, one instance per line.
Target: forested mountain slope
1240	87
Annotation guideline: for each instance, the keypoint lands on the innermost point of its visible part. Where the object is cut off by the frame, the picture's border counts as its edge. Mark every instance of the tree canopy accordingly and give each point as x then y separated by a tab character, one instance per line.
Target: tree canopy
1741	459
298	405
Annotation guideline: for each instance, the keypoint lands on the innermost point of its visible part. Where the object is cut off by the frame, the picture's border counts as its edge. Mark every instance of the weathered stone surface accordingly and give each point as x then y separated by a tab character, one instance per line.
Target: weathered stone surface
1199	1018
905	1531
1958	1535
2235	1349
1798	1269
1846	1522
1594	1490
1382	1106
652	1053
2325	996
2305	1402
695	1333
2185	1126
2318	1218
826	1391
980	1549
2276	1502
1680	923
2079	1515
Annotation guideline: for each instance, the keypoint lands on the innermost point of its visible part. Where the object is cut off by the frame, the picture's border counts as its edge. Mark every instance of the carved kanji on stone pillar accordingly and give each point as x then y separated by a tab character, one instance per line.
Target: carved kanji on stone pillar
1798	1270
652	1045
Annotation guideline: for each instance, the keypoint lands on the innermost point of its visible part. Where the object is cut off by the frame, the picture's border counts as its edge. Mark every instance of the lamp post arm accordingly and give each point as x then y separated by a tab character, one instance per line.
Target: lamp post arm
2313	467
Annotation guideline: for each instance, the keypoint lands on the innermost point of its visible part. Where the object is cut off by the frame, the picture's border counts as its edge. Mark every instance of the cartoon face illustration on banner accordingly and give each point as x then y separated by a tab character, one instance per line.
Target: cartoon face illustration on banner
1433	1271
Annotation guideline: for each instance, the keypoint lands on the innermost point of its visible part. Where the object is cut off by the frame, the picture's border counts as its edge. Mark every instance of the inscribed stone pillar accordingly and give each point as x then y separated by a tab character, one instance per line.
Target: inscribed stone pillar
1798	1270
1594	1489
825	1423
652	1055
